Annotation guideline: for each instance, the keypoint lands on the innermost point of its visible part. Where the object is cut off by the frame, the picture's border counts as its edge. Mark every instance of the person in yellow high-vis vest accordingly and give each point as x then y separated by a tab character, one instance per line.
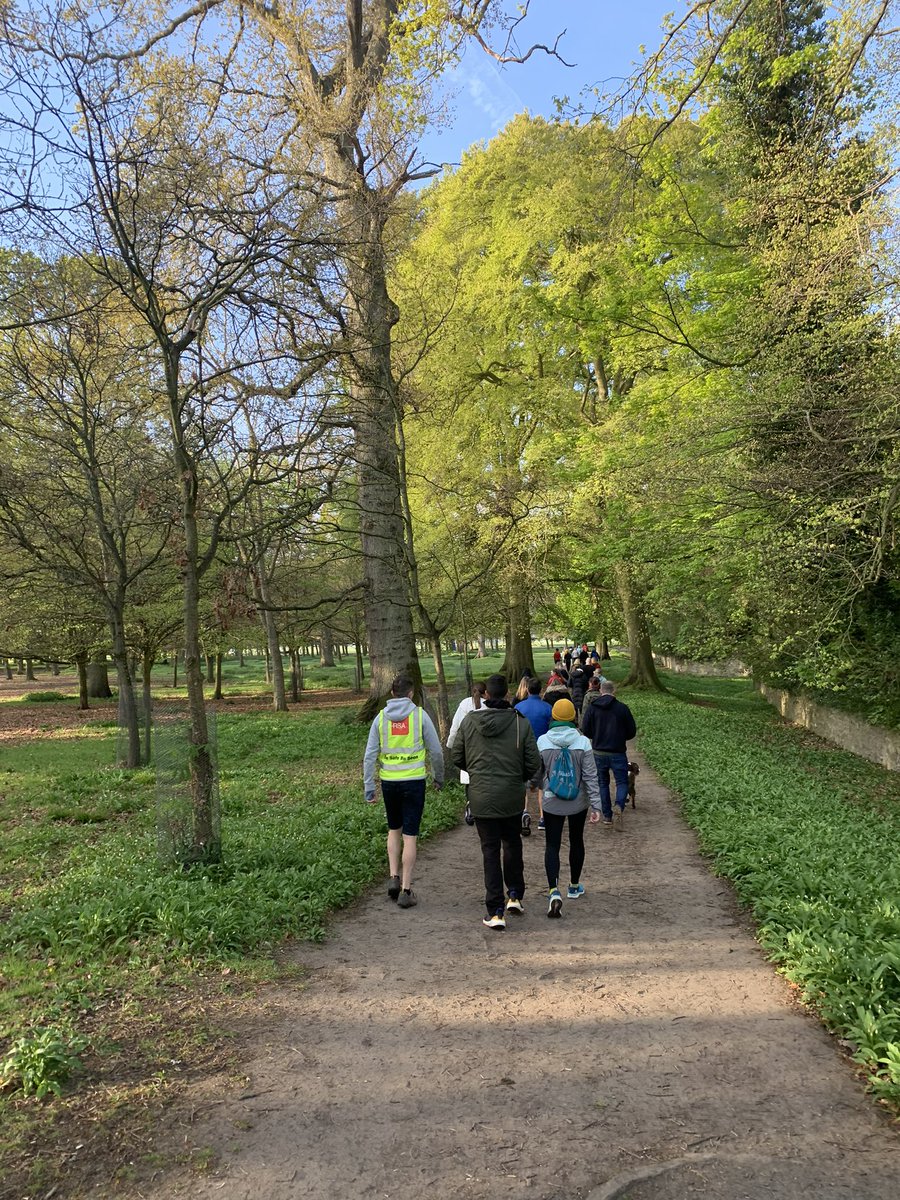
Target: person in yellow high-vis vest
400	737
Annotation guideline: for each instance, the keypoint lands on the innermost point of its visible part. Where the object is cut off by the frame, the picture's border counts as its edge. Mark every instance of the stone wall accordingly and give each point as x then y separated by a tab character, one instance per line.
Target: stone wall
850	733
732	668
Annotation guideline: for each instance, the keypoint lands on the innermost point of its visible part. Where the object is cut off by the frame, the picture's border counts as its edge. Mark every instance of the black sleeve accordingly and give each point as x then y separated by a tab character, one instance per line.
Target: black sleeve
458	749
628	723
531	755
587	721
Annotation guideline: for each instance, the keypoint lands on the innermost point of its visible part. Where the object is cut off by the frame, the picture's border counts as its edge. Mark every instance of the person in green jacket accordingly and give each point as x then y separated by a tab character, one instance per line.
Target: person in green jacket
498	748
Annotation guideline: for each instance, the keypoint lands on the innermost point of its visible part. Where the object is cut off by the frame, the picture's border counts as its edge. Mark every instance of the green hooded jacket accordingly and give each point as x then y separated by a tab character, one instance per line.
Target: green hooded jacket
498	748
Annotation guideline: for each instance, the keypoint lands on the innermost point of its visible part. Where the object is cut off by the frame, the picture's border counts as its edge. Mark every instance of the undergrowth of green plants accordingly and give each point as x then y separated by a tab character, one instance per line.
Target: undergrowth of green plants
87	907
808	835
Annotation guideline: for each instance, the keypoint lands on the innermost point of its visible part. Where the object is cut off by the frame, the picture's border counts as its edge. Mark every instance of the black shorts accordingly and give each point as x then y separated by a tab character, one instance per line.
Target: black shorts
404	803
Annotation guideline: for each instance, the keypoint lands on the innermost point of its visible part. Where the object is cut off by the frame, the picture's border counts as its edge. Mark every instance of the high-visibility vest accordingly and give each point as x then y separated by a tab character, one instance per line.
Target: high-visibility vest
402	753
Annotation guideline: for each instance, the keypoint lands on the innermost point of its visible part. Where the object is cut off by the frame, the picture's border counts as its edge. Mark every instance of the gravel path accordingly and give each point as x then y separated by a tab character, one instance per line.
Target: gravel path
640	1047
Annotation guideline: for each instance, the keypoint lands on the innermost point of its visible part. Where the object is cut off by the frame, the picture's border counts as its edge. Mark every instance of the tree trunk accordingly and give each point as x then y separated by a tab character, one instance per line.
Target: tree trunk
217	694
519	654
362	212
81	662
175	668
643	669
55	668
20	669
29	670
240	658
443	698
128	714
482	651
326	647
147	661
274	661
294	655
9	670
98	678
210	668
205	845
604	649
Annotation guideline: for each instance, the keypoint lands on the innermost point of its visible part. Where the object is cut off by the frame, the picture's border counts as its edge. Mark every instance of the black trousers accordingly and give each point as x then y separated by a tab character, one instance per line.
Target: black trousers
553	831
501	836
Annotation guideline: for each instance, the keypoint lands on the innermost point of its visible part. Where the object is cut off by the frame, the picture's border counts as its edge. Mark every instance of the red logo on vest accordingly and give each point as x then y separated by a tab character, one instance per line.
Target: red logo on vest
400	728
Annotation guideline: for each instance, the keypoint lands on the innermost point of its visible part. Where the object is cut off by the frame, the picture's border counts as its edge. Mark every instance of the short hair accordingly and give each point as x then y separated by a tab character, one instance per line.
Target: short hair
402	685
607	687
534	686
497	687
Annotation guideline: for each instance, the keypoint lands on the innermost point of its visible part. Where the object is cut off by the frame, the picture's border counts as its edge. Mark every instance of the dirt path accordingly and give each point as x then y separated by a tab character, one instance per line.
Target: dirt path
640	1048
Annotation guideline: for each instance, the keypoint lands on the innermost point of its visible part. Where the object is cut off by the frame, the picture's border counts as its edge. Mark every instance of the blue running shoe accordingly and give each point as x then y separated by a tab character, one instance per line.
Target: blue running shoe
574	890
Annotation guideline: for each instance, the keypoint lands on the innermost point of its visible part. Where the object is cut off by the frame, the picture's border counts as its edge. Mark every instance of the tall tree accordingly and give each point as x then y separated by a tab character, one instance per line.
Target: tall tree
358	74
168	192
83	480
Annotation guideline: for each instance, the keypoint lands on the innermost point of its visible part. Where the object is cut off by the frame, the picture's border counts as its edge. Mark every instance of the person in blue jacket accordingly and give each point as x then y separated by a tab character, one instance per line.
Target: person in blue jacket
539	714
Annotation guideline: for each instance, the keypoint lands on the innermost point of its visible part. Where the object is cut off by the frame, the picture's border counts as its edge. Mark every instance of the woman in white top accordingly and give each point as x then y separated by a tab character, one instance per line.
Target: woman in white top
469	704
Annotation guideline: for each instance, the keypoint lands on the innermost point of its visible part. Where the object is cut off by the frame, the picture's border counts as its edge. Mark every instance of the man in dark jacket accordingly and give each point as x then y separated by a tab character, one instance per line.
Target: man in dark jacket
578	684
609	724
499	750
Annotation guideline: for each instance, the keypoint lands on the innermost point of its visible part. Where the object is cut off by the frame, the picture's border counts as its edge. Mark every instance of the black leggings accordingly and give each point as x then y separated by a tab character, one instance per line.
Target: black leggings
553	831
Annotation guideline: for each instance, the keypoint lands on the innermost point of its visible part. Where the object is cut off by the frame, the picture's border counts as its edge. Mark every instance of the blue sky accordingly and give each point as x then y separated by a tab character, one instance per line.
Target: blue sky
603	40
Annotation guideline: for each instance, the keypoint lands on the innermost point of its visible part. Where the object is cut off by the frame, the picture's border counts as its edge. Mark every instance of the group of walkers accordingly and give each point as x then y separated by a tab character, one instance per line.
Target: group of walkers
505	752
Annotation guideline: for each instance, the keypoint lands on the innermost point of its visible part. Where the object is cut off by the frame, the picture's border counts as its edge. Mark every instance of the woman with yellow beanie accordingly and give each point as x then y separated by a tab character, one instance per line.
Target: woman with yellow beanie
569	780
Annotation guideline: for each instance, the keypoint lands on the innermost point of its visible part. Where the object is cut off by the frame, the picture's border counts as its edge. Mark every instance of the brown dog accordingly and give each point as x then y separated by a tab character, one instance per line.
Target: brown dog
633	771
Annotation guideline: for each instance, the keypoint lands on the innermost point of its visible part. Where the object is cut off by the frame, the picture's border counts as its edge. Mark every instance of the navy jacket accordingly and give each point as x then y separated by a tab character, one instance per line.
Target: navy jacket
608	723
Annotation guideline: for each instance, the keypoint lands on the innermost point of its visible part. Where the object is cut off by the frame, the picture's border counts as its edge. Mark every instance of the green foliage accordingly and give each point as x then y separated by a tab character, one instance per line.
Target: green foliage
299	843
43	698
808	836
88	910
42	1062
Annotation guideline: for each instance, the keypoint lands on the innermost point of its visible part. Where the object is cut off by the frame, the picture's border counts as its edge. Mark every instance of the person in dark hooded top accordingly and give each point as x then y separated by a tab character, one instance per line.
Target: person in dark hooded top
609	725
578	685
499	750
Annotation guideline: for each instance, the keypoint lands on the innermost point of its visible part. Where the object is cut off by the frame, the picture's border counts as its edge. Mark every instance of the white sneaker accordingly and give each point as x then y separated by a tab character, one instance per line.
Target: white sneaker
497	921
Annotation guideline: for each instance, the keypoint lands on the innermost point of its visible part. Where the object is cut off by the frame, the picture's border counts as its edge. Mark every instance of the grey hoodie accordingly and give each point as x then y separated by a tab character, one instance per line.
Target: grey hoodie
555	739
396	710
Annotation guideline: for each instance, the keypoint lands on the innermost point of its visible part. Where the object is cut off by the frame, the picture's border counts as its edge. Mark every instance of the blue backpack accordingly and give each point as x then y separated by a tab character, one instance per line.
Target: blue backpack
563	779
